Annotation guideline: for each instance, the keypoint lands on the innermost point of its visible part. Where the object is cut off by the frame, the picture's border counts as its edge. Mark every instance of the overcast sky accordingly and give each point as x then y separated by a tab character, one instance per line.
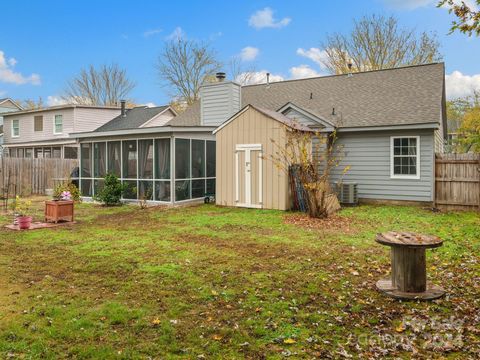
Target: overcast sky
43	44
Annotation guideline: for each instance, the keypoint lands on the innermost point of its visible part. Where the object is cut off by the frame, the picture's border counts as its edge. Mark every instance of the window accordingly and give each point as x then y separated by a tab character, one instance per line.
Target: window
58	124
211	150
15	128
38	153
38	123
70	152
405	157
56	152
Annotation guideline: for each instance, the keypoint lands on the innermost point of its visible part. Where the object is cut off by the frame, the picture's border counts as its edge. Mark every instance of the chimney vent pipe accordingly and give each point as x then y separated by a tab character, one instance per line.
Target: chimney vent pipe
122	107
220	76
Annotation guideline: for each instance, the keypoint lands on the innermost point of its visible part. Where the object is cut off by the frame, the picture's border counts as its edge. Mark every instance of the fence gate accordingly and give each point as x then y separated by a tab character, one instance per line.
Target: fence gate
457	181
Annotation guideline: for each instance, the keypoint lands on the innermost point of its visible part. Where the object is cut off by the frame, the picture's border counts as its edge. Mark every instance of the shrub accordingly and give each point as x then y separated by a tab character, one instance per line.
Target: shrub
67	186
112	191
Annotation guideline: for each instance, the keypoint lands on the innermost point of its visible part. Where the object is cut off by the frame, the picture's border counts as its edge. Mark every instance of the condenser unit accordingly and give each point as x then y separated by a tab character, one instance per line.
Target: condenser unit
347	193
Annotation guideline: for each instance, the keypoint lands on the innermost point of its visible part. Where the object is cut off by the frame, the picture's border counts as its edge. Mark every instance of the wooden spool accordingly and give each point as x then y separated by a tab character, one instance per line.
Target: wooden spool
409	268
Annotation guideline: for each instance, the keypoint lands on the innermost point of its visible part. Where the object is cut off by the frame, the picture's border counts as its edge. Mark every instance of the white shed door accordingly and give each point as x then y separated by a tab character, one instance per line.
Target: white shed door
248	175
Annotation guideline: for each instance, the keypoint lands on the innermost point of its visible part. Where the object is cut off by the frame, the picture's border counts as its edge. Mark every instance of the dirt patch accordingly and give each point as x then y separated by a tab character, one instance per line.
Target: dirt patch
336	222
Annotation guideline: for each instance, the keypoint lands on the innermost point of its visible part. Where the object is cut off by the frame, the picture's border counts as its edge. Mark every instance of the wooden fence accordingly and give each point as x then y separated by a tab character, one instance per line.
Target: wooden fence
32	176
457	181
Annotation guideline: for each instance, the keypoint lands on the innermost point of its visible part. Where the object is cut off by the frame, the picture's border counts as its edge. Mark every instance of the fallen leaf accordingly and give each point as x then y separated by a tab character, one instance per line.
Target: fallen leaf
289	341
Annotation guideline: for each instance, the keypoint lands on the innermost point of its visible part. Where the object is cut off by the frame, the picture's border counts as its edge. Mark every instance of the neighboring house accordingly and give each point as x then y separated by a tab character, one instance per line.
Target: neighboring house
389	124
156	160
46	132
6	105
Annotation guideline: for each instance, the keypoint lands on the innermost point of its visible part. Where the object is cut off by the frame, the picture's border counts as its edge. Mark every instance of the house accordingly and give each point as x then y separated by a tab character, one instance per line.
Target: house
157	160
45	133
389	124
6	105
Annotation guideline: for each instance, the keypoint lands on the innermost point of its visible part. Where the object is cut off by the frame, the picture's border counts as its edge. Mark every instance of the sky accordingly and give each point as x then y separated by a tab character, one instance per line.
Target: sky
45	43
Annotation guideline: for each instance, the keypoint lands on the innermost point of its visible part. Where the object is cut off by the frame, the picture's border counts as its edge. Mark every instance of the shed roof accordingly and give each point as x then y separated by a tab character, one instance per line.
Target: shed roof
400	96
271	114
134	118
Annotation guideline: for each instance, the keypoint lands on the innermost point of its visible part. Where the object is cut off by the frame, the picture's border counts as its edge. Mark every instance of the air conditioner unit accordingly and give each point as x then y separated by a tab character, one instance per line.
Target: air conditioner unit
347	193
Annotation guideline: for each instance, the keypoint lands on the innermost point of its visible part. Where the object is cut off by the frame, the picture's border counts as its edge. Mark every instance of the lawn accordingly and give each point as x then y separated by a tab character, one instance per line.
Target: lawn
209	282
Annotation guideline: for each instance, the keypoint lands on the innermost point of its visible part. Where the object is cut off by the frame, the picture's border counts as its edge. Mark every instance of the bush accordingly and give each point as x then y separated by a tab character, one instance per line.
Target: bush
68	186
112	191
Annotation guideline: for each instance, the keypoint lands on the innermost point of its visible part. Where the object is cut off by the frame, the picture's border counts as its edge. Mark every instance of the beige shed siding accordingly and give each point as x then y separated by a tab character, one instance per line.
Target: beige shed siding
252	127
160	120
27	134
87	119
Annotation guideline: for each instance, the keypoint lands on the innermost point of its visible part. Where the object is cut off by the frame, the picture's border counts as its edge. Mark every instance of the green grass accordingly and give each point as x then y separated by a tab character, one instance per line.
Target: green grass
125	283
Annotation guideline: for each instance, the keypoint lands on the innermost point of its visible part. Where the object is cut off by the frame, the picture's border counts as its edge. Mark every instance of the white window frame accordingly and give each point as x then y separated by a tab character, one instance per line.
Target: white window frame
392	156
13	128
54	125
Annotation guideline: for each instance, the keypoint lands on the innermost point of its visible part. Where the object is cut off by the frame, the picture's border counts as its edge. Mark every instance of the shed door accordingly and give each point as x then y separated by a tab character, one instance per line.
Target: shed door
248	175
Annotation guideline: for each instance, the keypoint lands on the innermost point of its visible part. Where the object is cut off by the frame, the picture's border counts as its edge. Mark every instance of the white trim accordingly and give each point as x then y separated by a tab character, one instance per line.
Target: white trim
397	176
260	178
237	192
248	177
146	130
54	125
247	168
241	147
390	127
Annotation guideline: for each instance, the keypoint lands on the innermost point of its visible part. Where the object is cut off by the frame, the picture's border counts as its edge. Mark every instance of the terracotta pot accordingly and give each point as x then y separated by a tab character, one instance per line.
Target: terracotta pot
24	222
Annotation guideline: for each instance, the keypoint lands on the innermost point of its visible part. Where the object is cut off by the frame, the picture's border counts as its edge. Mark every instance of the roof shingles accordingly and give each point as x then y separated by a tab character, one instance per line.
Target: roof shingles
401	96
134	118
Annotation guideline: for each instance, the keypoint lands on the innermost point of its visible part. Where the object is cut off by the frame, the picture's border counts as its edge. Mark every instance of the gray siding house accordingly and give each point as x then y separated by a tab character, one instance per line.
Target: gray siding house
389	123
46	132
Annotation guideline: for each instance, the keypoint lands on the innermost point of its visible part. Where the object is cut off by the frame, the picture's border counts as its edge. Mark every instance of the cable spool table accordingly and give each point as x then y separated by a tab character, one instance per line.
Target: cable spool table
409	268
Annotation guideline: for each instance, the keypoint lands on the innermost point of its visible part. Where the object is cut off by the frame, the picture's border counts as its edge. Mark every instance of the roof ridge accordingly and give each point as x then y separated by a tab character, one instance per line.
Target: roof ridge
355	73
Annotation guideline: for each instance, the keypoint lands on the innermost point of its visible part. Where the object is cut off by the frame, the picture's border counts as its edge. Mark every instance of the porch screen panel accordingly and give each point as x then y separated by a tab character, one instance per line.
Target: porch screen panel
211	154
86	160
130	159
99	160
182	158
162	159
114	157
198	158
145	159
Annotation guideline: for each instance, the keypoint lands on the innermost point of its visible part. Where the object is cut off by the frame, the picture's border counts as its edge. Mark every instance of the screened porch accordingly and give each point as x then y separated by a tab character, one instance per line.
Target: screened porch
158	169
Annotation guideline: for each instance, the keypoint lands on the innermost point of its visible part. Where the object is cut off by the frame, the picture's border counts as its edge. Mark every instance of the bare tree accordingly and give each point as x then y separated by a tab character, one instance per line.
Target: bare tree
184	65
31	104
313	156
240	73
103	86
377	42
468	19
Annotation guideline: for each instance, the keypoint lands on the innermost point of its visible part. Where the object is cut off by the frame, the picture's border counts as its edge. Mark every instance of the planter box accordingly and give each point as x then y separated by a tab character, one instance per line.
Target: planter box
61	210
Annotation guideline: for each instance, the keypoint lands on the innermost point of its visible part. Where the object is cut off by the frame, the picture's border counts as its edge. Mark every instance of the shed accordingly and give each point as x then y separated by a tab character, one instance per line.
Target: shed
247	175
